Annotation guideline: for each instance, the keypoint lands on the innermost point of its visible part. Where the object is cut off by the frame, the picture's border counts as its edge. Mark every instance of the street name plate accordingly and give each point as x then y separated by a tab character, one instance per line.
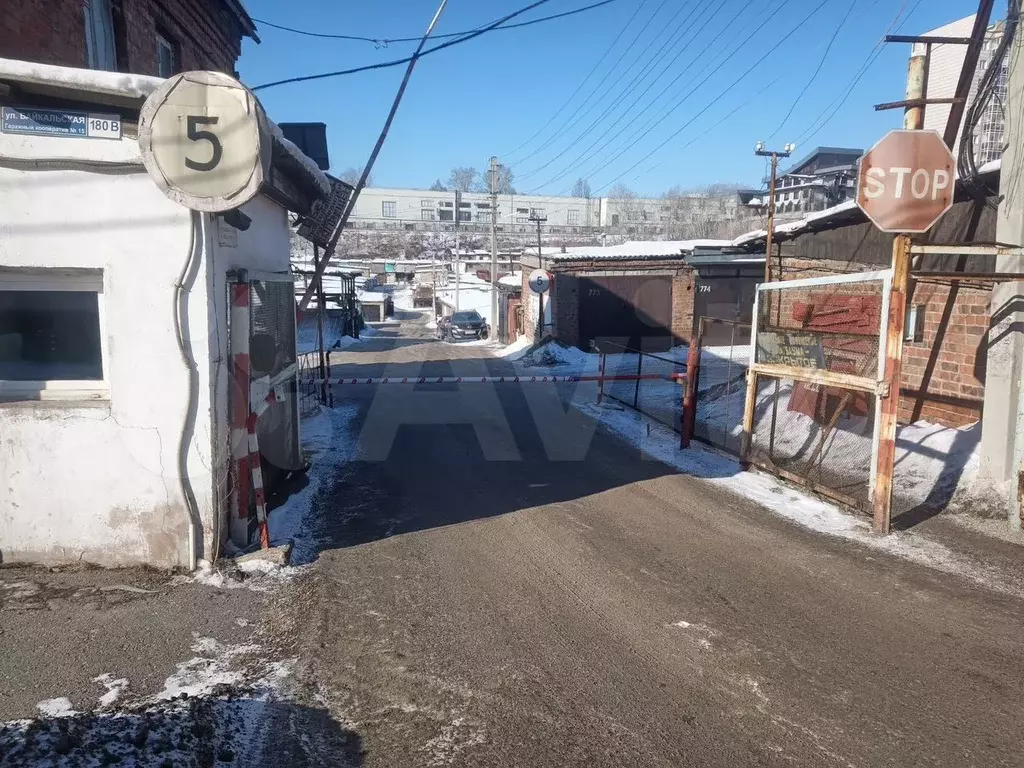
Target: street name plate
30	121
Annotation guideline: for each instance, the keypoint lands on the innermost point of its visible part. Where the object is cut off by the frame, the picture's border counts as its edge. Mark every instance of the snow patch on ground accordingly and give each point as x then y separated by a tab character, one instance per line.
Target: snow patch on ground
115	687
215	666
662	444
59	707
516	349
552	355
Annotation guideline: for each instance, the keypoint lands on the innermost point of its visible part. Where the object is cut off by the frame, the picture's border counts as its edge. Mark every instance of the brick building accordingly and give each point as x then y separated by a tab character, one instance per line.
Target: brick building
149	37
640	294
945	347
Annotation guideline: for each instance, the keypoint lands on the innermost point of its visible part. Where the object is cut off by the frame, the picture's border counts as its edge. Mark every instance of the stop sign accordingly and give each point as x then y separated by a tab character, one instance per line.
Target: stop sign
905	182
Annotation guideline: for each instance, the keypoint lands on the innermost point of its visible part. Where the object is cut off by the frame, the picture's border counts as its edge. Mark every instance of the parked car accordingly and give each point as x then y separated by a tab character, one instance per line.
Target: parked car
462	325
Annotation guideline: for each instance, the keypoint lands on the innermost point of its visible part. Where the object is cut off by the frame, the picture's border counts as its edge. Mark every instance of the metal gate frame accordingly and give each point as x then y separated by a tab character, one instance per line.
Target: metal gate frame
878	387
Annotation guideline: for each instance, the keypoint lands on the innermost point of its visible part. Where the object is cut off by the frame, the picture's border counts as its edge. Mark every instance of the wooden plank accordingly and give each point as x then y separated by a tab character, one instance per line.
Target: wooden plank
882	495
817	376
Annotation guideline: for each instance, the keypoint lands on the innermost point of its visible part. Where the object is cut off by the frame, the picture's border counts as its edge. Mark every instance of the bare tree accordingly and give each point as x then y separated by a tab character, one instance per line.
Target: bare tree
581	188
705	212
627	210
465	179
351	176
437	186
505	177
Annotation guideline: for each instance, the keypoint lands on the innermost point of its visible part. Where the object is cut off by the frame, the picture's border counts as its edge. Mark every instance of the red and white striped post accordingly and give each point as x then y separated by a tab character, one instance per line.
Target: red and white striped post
238	527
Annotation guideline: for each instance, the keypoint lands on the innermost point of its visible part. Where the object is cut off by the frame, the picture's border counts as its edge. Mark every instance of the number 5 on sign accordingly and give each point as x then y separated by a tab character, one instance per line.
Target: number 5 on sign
205	141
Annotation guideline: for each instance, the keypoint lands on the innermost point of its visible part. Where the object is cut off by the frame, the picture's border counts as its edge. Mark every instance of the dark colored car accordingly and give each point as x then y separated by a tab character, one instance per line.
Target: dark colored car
462	325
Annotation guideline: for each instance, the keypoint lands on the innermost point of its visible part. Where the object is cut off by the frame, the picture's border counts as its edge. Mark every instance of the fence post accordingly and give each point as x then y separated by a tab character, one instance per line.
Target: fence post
751	399
600	383
886	451
689	417
639	370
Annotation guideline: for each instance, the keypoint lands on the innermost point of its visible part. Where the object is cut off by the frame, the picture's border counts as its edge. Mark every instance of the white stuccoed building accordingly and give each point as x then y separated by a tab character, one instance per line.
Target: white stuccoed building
115	380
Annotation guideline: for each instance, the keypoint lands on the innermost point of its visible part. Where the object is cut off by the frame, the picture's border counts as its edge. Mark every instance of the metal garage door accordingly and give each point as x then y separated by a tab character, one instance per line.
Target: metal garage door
635	310
725	294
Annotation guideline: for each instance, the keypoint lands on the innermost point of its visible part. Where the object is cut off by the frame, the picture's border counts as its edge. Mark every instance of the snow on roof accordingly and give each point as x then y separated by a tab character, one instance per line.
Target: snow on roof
514	279
133	88
371	297
89	80
637	249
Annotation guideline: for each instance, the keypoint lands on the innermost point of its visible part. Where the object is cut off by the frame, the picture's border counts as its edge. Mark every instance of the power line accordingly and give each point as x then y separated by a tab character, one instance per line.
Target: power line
617	100
817	70
588	155
814	128
386	41
397	62
568	126
721	95
318	271
583	82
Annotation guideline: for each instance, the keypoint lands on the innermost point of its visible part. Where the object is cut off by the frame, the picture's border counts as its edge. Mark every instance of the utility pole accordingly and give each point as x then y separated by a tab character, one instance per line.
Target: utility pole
540	262
494	244
760	151
458	203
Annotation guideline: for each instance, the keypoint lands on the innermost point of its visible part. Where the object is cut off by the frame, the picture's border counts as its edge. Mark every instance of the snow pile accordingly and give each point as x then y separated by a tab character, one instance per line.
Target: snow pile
516	349
209	712
662	444
554	354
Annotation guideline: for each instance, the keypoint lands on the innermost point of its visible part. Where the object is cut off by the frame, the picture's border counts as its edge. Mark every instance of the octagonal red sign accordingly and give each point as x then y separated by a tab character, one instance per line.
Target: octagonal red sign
906	181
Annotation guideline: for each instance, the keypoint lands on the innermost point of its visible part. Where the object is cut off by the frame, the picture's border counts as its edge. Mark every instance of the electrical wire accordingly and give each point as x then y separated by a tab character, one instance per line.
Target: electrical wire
398	62
567	126
618	100
817	70
384	42
336	235
710	67
967	167
817	124
579	87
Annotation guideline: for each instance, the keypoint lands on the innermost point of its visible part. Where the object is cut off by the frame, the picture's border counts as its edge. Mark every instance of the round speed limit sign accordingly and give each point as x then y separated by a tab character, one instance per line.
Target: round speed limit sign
539	281
205	141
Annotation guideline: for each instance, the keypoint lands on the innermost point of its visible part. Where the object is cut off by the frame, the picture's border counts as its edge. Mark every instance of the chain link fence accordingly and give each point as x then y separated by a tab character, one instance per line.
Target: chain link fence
817	363
660	399
721	382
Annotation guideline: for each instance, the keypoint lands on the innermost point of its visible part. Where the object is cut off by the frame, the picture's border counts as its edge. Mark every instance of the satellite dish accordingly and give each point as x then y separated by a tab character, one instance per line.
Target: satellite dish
540	281
205	141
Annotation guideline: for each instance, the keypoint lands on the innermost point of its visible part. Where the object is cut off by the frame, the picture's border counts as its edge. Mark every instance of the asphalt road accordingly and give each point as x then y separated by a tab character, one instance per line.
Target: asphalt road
479	603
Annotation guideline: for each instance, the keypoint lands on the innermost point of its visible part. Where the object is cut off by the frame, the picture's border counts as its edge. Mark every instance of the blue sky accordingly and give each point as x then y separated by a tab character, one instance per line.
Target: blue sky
490	95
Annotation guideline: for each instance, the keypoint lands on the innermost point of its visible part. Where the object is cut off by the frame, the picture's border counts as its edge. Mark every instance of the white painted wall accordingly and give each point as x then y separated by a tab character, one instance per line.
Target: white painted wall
97	481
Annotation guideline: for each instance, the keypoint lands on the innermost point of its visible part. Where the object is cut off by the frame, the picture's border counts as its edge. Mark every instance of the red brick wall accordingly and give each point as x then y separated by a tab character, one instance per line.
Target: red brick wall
682	305
53	32
943	376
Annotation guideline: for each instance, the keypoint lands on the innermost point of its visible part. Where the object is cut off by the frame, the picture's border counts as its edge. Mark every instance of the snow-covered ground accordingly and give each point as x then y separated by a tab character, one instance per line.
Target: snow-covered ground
210	711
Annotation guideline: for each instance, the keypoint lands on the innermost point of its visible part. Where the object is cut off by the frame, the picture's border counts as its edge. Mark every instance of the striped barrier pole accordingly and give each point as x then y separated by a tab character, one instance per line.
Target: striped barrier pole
238	527
676	377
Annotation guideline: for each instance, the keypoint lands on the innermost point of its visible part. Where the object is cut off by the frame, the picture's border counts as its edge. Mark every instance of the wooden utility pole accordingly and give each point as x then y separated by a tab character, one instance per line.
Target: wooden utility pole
458	281
540	263
760	151
494	245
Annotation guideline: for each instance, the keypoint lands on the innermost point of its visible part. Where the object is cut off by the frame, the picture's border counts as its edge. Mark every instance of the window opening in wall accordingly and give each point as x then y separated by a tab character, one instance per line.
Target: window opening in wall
50	331
100	50
168	55
915	323
389	209
572	217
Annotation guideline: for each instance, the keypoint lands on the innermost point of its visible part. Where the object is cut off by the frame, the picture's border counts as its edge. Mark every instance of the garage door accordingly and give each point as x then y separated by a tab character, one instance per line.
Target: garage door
636	311
725	294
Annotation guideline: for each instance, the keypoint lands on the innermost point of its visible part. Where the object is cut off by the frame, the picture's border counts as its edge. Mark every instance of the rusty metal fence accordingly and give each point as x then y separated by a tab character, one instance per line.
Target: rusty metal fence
812	402
659	396
721	358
